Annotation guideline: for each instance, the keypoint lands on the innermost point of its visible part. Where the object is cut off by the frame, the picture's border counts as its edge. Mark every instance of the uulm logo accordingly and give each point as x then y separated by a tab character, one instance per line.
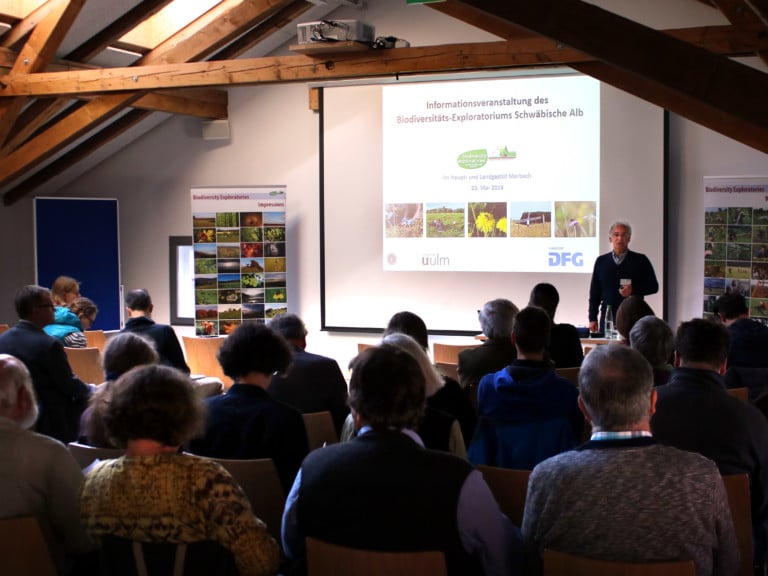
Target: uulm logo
435	260
563	258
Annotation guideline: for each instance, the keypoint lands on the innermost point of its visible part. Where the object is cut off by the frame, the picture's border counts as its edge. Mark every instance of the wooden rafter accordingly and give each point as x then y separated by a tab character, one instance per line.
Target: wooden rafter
217	27
741	15
20	31
532	51
37	53
709	89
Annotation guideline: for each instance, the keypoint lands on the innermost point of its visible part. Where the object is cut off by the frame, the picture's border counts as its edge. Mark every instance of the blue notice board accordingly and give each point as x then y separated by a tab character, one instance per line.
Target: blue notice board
78	237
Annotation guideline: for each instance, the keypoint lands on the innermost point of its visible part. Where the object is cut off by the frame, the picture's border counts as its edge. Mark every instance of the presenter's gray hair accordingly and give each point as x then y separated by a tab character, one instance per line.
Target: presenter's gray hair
496	318
653	338
615	384
626	225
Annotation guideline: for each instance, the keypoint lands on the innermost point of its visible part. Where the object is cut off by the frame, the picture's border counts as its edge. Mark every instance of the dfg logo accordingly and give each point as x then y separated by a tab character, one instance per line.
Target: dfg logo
563	258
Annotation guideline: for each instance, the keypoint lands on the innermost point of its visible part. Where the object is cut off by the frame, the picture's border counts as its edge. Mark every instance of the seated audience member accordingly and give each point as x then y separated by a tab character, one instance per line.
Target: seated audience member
156	494
622	495
747	358
696	413
496	352
526	412
630	311
384	491
653	338
450	397
139	306
246	422
122	352
564	344
313	383
39	476
65	290
70	321
61	395
438	430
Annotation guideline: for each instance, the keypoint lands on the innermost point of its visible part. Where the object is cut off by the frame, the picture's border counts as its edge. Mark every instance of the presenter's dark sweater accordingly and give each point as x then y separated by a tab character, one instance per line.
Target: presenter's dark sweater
605	281
382	491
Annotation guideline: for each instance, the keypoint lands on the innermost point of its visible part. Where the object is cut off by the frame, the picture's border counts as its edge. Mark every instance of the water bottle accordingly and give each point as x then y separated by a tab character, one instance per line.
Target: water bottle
609	333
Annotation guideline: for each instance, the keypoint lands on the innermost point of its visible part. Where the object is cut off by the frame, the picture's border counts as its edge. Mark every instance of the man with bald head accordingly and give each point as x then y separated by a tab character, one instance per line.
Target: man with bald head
39	477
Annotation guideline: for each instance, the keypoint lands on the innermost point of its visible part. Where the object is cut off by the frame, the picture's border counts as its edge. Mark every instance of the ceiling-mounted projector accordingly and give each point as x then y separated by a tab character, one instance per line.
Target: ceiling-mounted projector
334	31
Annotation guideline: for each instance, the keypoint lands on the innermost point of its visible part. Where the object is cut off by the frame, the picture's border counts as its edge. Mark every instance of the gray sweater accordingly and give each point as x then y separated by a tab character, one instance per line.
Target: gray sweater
631	500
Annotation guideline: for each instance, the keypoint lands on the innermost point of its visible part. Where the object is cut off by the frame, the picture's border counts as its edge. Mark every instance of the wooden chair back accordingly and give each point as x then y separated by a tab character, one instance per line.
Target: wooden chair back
85	455
510	488
95	339
123	557
562	564
324	559
740	393
570	374
320	429
737	489
86	364
23	548
201	357
449	353
259	480
4	327
448	370
363	345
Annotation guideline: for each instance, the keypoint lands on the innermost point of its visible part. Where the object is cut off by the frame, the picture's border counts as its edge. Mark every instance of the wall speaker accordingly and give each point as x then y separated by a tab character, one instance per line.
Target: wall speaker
216	129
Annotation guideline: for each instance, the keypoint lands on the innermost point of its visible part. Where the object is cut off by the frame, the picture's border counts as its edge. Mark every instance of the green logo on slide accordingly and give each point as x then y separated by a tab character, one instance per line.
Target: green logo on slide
472	159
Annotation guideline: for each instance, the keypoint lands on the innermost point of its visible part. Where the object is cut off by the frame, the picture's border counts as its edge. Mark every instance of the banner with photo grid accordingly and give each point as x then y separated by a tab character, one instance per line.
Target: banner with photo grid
238	236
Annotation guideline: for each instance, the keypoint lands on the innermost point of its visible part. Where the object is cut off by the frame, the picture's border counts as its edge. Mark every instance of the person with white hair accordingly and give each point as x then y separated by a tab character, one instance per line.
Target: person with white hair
39	476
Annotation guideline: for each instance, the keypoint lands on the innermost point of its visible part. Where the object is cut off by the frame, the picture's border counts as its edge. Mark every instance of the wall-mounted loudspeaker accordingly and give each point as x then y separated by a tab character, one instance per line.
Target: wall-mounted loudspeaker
216	130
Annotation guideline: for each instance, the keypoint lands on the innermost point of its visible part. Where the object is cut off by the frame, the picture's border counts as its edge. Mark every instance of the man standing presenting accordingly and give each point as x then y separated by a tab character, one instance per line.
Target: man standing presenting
617	275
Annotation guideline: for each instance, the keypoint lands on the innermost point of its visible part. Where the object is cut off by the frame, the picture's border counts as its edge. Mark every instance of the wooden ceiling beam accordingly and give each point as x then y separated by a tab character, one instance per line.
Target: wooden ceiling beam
138	14
75	155
219	26
534	51
709	89
741	15
278	21
19	32
38	52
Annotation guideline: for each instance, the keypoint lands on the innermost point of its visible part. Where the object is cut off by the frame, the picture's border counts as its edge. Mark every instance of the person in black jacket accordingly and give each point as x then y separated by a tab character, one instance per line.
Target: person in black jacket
139	306
61	395
564	347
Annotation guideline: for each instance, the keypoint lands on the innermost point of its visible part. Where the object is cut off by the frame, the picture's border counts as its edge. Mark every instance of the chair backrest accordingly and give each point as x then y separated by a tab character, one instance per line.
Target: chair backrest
737	489
259	480
363	345
320	429
448	370
96	339
85	455
23	548
570	374
562	564
324	558
86	364
4	327
509	487
740	393
520	445
449	353
755	380
122	557
201	357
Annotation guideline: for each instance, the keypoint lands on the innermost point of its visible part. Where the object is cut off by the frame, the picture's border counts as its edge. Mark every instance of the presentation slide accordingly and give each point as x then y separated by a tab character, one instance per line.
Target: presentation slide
441	193
475	170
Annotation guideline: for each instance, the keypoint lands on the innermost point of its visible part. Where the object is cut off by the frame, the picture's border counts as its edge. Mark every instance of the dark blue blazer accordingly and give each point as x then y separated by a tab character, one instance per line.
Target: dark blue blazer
247	423
166	342
61	396
313	383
